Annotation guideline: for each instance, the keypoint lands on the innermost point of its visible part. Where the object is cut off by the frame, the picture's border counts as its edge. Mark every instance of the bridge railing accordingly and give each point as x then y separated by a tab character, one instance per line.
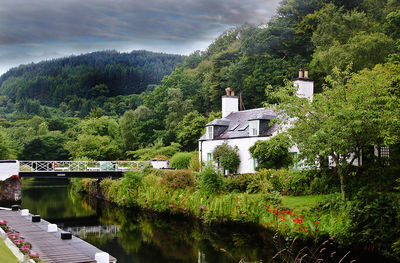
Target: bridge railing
80	166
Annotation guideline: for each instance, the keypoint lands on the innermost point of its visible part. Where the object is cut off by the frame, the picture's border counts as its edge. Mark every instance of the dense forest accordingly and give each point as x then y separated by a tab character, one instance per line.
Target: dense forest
110	105
79	83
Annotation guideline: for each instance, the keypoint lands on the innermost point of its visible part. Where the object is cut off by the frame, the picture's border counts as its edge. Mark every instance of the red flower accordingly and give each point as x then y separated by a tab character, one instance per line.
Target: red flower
298	220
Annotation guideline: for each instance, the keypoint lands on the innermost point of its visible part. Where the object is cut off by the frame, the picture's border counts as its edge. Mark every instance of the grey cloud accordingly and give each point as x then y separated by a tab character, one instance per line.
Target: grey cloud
42	29
23	21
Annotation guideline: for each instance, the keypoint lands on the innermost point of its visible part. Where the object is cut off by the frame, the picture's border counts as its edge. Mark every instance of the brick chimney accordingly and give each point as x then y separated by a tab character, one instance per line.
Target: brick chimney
230	103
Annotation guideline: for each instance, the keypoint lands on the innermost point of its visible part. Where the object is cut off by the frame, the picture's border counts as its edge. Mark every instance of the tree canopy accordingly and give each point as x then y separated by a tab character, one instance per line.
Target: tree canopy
355	112
273	153
150	97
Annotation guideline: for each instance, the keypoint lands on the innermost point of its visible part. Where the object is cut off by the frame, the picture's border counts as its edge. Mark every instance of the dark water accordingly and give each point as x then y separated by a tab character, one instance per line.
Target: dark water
132	235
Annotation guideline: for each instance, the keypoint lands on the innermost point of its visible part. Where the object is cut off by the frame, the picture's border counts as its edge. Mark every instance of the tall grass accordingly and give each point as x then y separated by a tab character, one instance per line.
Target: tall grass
151	194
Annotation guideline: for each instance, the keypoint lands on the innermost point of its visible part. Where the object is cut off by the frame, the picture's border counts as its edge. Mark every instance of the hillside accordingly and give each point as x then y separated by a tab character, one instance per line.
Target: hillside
89	76
116	90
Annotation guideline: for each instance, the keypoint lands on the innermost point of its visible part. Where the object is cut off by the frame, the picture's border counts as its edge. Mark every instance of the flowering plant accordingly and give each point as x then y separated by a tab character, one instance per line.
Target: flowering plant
34	256
24	246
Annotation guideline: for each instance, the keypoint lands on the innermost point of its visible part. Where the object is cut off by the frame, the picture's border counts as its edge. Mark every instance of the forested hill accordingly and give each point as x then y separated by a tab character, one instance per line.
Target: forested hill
51	98
105	73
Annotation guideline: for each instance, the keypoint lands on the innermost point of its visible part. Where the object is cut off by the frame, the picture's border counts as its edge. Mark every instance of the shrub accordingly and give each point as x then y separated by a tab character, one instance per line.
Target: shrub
374	215
275	177
105	185
179	179
133	179
77	184
288	181
227	157
238	183
230	161
161	157
274	197
210	180
89	186
129	189
111	189
180	160
158	172
377	178
324	182
194	164
152	180
273	153
250	183
369	220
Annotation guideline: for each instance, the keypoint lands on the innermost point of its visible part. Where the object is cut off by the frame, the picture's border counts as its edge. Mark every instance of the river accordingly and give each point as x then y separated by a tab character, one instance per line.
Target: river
133	235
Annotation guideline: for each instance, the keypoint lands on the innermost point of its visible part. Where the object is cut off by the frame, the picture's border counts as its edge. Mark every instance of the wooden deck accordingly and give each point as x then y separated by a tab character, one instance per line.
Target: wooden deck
50	246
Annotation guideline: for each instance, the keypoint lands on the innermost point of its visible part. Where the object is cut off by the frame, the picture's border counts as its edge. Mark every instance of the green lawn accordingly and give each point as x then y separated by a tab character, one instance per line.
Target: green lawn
301	204
6	254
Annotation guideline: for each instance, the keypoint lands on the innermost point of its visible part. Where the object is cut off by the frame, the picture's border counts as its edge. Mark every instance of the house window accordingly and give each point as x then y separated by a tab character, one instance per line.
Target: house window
209	157
295	165
255	164
385	152
210	132
254	128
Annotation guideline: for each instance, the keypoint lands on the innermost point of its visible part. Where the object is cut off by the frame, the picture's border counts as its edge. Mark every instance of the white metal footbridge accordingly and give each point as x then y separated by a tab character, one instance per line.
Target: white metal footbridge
79	169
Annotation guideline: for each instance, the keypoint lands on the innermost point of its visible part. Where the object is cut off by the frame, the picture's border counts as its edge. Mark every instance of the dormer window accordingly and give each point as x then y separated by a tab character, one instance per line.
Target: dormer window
254	127
210	132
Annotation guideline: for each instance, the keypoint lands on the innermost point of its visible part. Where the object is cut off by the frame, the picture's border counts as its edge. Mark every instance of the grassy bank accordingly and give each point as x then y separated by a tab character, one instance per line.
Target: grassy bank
281	200
232	202
6	254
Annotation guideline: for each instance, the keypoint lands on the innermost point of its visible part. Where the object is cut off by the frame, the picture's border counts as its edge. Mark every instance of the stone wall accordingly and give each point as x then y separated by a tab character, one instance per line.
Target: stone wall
10	189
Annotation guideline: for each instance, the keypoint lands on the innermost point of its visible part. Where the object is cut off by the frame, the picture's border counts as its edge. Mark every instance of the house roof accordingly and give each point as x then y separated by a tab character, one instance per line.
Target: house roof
219	122
237	123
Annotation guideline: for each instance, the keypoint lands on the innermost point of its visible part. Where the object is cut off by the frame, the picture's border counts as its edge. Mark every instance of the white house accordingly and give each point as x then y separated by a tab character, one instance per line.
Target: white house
244	128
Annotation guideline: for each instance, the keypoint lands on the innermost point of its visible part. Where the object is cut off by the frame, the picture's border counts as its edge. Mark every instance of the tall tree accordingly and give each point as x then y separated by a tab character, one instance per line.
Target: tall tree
137	128
190	130
353	114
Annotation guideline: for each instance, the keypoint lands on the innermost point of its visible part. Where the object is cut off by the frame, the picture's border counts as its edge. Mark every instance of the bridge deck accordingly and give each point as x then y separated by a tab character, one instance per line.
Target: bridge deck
50	246
71	174
77	169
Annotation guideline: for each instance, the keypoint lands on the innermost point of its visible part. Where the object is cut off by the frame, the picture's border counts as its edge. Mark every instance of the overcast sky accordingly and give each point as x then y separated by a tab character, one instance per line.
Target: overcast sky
34	30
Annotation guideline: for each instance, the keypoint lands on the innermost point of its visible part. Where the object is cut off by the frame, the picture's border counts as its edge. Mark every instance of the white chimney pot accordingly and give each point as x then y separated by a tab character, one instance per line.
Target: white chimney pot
229	104
305	88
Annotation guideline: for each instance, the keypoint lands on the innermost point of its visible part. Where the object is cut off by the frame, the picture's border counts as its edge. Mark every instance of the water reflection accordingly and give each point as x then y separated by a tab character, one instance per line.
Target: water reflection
136	236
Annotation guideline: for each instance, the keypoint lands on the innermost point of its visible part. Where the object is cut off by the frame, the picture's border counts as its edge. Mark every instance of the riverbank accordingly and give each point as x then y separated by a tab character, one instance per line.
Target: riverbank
293	217
149	193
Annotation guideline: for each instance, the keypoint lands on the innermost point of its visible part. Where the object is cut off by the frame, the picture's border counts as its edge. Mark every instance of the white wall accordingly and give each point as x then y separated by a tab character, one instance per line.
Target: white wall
246	161
160	164
8	169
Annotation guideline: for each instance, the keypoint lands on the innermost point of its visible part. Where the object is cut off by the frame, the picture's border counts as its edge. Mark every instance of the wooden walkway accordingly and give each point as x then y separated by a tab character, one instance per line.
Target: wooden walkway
50	246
